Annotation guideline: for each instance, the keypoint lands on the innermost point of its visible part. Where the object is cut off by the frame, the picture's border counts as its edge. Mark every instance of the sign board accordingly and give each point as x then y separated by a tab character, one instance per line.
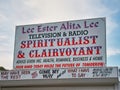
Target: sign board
99	72
78	43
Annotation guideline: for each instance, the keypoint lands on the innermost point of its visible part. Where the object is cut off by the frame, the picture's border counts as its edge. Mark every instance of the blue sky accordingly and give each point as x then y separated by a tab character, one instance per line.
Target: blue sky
20	12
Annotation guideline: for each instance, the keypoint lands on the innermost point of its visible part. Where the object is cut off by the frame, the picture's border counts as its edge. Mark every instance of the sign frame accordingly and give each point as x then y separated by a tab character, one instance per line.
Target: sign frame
53	31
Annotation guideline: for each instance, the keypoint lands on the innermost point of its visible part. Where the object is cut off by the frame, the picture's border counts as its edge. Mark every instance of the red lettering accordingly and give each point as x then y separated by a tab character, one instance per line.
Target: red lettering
73	41
67	42
62	52
89	50
68	52
19	67
80	40
98	49
34	54
75	51
60	42
29	43
86	38
77	64
93	64
81	52
23	44
68	65
94	39
49	66
55	52
38	66
28	66
40	43
51	42
57	65
44	54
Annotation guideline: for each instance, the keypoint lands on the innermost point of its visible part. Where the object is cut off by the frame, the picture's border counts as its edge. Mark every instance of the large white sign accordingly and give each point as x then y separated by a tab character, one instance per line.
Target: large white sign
104	72
79	43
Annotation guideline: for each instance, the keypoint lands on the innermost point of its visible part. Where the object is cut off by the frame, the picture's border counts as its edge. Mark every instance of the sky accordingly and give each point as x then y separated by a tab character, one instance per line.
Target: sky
22	12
